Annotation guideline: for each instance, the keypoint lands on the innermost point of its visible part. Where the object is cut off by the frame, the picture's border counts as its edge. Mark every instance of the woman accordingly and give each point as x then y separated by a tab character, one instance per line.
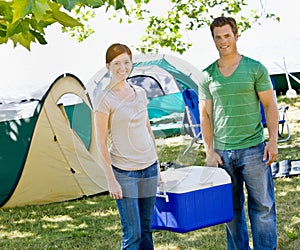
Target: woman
130	165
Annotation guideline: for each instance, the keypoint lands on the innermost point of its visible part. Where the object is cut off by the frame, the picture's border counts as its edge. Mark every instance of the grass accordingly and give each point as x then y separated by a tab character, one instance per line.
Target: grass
93	223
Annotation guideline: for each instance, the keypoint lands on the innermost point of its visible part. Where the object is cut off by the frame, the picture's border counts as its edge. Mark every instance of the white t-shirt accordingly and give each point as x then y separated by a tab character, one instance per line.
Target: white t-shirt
131	146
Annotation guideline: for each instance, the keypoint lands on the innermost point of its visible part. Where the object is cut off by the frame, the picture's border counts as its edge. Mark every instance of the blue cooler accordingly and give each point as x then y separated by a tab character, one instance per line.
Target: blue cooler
191	198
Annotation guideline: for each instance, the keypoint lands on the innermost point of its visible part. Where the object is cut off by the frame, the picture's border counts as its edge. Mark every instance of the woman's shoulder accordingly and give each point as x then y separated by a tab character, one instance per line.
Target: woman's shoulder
103	95
139	90
103	98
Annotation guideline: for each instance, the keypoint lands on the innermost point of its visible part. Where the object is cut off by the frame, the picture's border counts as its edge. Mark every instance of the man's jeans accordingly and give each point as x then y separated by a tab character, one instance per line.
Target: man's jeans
246	166
137	206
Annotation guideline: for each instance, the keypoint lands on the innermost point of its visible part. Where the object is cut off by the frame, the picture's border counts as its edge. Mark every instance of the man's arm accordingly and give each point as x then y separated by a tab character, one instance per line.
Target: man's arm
207	129
271	111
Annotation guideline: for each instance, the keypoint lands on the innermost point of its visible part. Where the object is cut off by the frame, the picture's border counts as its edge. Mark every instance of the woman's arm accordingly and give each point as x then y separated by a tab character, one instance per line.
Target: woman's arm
114	187
153	138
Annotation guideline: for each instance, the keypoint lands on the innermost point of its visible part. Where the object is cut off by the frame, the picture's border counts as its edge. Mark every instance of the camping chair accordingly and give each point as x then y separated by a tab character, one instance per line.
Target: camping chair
283	129
283	125
191	121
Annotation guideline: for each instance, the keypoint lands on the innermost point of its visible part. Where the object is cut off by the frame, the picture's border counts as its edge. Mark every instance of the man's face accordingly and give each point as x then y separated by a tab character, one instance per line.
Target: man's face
225	40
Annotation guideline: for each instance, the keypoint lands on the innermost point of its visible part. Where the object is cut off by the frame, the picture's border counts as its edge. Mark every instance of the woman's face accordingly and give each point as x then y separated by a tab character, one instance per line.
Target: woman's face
120	67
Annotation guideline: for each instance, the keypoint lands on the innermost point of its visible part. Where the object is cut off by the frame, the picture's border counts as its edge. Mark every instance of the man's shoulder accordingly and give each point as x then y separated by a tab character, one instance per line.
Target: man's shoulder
210	67
247	59
254	65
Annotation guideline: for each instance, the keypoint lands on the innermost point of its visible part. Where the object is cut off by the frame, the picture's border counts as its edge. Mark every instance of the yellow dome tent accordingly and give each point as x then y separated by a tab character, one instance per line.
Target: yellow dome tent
50	156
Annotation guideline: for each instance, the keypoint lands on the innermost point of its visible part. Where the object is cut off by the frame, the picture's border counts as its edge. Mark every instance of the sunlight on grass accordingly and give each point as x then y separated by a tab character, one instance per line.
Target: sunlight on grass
59	218
167	247
15	234
72	227
50	226
93	222
282	194
295	220
105	213
90	202
113	227
22	221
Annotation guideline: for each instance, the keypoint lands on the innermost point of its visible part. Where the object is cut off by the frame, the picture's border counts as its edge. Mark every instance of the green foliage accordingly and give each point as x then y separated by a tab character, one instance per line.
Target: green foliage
167	29
24	21
83	15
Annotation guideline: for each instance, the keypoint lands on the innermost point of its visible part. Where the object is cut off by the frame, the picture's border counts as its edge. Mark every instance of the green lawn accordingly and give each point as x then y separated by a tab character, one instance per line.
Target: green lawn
93	223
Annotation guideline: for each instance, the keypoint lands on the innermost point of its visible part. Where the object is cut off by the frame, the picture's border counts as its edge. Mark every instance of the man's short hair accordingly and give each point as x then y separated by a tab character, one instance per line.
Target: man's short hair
221	21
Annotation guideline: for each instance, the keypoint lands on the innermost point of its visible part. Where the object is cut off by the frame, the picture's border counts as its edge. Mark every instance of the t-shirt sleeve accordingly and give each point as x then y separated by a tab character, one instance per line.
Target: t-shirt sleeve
262	80
102	103
143	95
145	98
203	87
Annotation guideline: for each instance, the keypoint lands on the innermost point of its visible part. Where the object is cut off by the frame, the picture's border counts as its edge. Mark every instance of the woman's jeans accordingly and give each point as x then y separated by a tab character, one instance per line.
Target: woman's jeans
246	167
137	206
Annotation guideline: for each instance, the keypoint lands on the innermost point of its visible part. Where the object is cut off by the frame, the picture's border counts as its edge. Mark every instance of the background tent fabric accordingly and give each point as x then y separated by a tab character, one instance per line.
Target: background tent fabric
163	77
49	149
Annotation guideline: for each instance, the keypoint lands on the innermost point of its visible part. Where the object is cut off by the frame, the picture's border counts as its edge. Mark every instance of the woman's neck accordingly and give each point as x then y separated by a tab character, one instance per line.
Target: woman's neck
120	85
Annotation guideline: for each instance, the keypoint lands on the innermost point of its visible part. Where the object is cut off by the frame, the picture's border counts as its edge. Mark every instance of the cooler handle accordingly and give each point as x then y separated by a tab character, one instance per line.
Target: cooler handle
164	193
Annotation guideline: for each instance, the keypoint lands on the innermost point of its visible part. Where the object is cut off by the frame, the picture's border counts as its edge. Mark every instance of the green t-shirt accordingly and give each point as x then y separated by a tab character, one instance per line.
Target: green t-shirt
236	111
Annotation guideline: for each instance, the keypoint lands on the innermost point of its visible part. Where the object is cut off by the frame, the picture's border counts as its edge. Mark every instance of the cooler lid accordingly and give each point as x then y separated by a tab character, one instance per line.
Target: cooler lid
187	179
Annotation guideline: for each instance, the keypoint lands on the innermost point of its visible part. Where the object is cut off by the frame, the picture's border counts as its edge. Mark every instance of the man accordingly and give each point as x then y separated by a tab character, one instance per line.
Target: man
234	137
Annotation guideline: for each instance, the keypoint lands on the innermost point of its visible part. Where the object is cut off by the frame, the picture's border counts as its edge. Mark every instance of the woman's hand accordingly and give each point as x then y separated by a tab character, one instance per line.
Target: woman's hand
115	190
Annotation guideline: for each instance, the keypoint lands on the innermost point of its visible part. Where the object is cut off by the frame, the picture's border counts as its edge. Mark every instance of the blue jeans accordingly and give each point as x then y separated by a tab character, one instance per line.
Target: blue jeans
137	206
246	166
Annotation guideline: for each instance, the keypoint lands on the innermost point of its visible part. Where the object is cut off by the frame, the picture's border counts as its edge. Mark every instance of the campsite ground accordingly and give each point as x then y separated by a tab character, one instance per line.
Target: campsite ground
93	223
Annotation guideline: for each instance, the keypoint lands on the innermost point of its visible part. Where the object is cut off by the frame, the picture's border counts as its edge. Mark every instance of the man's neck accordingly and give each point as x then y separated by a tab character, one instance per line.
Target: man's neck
229	60
228	64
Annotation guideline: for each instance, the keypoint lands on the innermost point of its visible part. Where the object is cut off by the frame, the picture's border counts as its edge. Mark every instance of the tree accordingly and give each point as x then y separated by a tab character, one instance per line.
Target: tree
24	21
167	29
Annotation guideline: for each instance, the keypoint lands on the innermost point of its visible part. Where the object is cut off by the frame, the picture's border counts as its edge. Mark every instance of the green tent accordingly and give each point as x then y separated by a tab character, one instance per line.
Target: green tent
163	77
281	85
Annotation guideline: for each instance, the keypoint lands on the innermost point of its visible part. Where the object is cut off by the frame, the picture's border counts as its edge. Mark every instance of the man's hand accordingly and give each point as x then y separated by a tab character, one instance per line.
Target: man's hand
271	152
213	159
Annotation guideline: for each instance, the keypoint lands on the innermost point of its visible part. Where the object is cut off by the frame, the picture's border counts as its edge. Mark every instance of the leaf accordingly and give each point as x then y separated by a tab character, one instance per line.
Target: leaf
2	30
65	19
24	39
119	4
62	17
93	3
3	40
41	39
6	11
69	4
40	8
20	26
21	8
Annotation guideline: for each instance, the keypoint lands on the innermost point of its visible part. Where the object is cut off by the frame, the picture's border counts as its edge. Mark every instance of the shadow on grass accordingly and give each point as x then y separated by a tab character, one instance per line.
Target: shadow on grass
93	223
89	223
288	213
290	150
